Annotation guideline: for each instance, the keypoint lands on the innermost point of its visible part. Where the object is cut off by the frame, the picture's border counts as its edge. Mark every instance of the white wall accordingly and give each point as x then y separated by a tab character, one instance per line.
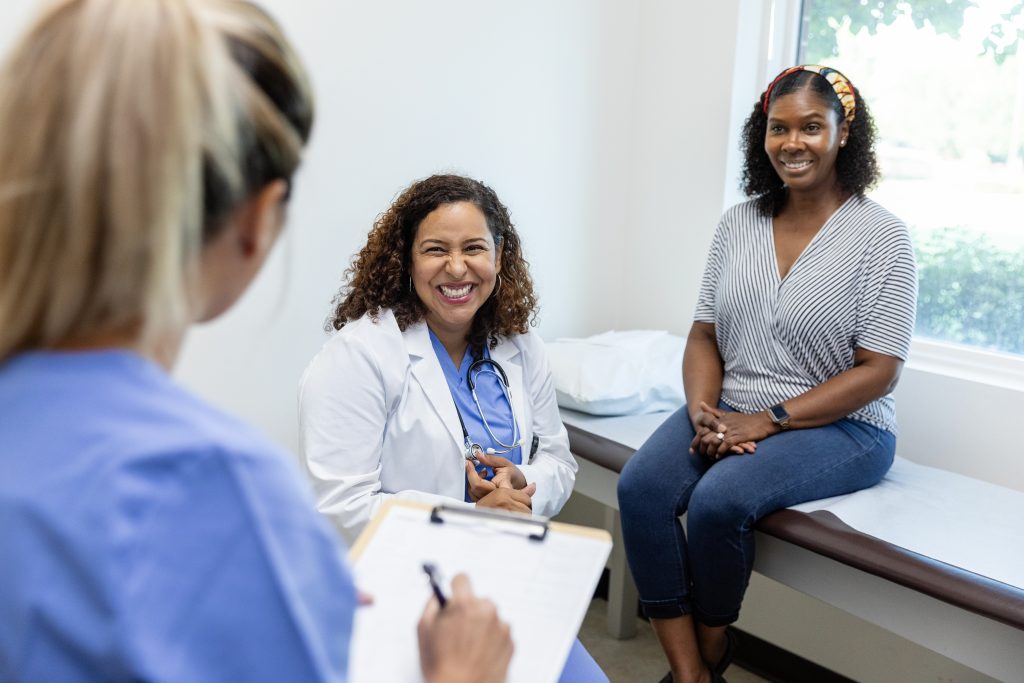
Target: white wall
678	164
531	97
961	424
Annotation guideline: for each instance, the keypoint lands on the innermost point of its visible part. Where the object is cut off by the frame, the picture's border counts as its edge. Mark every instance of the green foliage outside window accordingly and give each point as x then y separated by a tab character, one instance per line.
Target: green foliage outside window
971	287
945	16
971	291
825	16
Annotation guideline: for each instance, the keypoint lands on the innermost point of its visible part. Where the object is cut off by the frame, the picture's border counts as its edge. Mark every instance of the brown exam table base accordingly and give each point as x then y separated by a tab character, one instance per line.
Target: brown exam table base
964	616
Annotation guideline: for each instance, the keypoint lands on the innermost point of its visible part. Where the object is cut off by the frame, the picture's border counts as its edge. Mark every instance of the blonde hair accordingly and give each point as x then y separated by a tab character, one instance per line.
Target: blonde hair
129	130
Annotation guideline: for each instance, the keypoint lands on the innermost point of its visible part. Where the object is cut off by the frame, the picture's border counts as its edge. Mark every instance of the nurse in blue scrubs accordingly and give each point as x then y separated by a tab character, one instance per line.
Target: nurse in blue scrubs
147	149
432	387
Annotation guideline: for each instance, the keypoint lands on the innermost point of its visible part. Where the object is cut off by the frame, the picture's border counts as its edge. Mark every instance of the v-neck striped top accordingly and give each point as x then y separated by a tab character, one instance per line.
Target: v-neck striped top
854	286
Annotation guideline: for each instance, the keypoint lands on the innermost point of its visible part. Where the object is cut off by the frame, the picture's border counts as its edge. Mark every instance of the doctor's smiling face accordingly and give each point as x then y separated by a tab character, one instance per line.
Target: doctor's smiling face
434	256
455	263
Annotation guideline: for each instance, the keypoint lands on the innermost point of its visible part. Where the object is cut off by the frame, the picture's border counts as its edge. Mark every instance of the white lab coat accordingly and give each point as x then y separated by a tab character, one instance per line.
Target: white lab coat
377	420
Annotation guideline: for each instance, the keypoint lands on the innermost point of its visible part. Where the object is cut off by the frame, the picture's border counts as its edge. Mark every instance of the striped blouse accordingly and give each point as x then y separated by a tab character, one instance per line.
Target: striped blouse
854	286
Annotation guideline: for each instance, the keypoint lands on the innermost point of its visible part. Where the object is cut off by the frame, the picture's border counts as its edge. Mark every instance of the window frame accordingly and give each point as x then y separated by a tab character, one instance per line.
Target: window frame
768	41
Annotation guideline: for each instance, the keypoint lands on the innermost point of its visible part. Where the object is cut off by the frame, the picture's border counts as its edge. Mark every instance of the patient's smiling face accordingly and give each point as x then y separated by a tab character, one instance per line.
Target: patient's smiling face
803	139
455	263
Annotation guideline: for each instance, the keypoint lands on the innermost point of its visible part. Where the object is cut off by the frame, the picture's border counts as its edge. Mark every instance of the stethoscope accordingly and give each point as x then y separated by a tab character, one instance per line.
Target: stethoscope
473	450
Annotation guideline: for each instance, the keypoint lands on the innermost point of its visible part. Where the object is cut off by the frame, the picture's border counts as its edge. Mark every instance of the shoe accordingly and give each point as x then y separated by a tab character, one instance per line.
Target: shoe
715	677
728	655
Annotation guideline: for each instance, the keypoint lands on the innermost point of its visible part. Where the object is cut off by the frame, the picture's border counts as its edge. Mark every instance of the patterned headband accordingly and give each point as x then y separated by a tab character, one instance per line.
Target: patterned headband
839	83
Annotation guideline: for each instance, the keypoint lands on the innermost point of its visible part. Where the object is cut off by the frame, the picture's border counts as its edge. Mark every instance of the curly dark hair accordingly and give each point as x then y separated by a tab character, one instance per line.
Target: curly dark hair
380	274
856	165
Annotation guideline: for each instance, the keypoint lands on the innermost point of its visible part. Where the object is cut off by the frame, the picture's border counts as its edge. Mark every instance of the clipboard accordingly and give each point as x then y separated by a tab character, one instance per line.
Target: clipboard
540	574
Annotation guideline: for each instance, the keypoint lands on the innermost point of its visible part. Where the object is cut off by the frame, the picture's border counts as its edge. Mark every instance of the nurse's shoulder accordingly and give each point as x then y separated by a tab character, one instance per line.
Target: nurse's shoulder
186	434
217	501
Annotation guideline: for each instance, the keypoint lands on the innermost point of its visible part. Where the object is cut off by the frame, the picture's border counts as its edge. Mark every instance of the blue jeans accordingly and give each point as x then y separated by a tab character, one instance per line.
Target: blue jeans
705	571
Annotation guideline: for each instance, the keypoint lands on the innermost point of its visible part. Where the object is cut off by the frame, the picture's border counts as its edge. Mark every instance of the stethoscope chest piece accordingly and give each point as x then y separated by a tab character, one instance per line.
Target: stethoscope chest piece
473	451
479	366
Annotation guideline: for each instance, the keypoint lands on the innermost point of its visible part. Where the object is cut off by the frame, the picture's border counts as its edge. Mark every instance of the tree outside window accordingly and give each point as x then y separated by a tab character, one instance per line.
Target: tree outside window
945	83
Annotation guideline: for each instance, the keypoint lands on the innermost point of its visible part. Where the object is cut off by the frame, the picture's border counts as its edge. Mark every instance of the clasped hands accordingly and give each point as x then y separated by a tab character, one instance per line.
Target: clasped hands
722	432
506	490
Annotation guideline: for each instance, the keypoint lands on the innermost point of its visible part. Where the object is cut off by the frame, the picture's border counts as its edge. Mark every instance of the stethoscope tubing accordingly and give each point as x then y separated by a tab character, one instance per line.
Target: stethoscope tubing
517	439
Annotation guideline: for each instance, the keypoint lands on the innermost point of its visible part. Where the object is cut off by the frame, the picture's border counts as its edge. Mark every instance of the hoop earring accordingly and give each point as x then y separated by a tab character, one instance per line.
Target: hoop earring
497	288
412	290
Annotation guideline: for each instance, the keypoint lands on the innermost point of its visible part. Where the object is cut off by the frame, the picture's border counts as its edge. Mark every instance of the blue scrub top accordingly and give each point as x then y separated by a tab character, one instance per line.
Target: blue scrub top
145	535
492	401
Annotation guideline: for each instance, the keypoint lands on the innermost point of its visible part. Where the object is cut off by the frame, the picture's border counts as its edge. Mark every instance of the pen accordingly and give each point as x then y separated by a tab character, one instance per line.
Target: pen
431	569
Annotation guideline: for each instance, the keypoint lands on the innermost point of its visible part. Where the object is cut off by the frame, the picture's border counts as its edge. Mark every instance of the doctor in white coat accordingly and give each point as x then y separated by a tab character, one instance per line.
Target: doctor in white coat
385	409
432	355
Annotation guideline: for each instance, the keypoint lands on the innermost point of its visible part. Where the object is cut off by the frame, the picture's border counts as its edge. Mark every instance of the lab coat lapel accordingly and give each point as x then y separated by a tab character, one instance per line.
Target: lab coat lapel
508	356
427	371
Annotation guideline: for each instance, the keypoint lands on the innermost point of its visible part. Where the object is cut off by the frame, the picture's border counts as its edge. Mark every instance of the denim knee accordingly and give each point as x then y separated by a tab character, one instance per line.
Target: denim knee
630	488
643	488
624	487
719	507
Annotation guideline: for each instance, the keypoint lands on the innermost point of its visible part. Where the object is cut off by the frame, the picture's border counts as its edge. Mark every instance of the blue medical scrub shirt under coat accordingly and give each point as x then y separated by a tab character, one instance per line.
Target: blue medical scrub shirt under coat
580	667
492	401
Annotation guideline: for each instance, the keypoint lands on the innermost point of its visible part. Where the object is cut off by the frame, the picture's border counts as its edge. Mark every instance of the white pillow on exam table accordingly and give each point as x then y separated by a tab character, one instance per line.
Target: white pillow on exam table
619	373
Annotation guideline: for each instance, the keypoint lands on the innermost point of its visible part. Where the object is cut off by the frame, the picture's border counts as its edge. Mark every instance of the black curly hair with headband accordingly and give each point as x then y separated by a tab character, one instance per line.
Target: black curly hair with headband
856	165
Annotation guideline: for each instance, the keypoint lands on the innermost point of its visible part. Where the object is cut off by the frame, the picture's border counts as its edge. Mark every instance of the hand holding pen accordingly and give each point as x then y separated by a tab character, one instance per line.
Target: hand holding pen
461	638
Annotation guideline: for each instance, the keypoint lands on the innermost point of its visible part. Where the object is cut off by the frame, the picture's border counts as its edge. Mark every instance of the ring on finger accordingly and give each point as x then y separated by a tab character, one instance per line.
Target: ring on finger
721	436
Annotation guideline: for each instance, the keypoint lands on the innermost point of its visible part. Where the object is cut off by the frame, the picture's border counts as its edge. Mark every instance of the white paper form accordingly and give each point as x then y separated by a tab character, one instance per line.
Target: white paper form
541	588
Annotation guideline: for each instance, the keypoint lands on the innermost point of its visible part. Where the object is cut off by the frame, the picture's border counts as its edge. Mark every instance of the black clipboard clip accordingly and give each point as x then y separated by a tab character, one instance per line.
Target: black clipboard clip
534	528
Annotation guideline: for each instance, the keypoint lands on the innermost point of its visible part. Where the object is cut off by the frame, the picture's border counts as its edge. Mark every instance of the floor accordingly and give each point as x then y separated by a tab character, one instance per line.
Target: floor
639	659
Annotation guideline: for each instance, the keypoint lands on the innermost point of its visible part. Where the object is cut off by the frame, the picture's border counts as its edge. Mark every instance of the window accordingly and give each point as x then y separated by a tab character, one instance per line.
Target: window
945	83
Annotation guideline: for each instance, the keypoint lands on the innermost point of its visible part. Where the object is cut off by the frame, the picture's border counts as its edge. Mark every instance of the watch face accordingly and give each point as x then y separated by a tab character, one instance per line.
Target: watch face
779	413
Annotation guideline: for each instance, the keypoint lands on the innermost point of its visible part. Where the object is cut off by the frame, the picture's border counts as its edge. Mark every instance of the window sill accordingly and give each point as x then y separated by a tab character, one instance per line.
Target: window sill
974	365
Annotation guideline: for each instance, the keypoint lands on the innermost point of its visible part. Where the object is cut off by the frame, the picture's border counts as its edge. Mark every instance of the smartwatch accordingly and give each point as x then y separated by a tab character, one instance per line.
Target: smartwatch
779	416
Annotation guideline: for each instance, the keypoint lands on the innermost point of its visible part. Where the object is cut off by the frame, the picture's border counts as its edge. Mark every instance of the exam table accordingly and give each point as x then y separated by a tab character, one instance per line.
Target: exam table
933	556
